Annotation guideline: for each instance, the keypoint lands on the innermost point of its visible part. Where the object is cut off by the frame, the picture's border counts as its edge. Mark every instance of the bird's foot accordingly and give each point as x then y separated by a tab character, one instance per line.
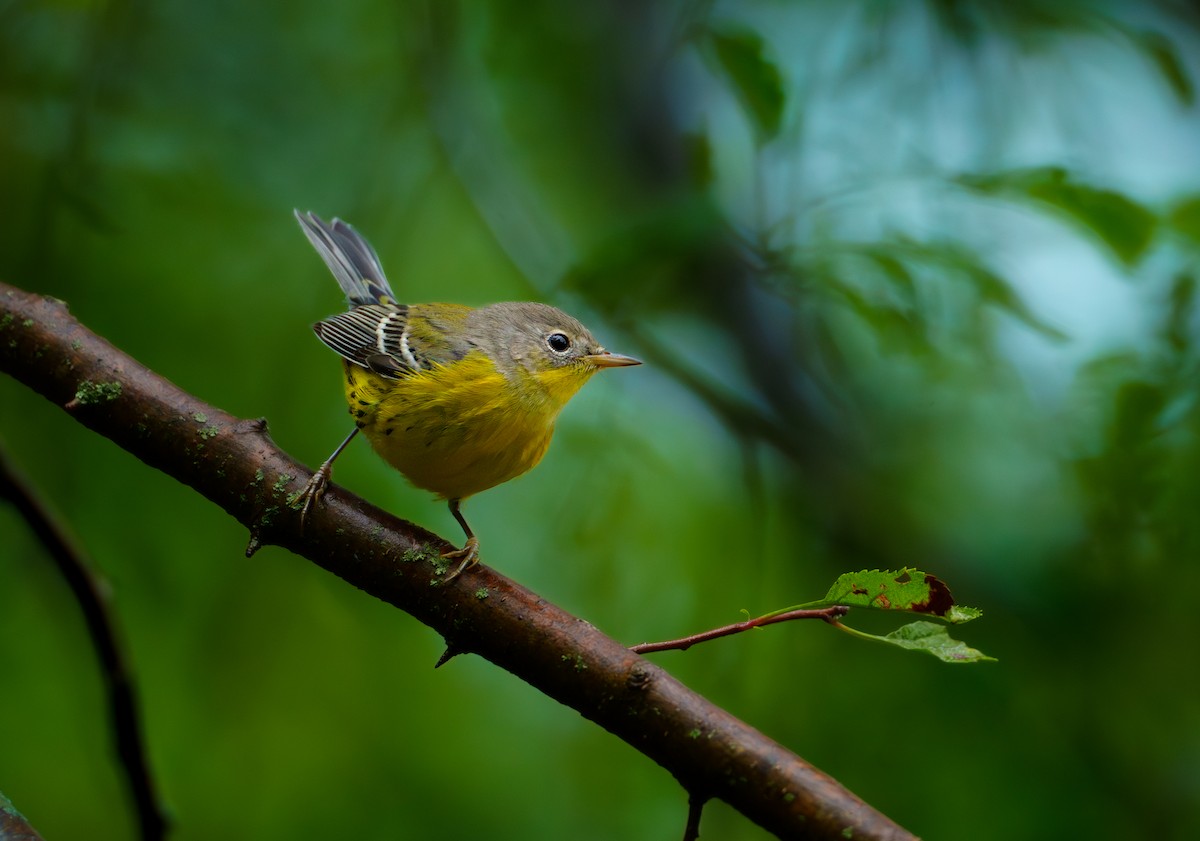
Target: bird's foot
313	491
469	555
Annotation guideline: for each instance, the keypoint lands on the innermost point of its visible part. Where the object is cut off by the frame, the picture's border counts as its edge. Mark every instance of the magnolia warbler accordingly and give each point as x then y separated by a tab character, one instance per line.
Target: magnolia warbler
457	399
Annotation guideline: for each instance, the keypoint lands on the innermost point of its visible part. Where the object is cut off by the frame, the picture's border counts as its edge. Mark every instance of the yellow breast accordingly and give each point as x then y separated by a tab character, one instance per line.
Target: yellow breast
458	429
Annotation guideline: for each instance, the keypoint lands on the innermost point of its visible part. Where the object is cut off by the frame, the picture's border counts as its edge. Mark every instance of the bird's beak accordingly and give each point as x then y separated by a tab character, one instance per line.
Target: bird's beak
604	359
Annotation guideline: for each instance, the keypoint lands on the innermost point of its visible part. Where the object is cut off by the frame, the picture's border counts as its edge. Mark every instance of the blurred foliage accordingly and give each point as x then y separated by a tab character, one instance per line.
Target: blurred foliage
1118	222
916	287
740	55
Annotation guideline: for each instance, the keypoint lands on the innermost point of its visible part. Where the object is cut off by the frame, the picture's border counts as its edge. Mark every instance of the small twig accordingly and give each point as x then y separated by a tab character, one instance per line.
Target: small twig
691	832
828	614
91	593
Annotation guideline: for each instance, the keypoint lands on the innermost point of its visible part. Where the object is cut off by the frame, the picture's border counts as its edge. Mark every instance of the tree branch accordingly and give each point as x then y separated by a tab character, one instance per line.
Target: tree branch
91	594
13	826
234	463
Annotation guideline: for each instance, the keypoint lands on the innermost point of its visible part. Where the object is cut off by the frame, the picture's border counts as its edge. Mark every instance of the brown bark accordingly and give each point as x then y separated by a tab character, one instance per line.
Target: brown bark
13	826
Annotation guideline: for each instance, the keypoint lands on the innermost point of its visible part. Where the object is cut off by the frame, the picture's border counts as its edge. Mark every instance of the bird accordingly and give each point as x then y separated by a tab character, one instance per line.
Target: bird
458	399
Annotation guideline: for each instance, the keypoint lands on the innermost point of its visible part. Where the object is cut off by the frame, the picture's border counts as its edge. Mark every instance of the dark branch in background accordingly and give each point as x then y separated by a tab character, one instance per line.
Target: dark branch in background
91	593
235	464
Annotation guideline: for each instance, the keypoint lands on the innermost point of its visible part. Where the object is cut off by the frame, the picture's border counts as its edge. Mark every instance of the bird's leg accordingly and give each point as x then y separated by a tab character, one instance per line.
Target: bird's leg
315	489
470	551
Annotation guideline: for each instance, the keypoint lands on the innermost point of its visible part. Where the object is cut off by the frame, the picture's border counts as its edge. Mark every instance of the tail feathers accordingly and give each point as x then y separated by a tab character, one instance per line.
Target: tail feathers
351	259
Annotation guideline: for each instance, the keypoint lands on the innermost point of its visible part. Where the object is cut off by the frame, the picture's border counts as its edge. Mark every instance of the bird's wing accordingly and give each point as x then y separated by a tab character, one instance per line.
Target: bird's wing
394	342
373	336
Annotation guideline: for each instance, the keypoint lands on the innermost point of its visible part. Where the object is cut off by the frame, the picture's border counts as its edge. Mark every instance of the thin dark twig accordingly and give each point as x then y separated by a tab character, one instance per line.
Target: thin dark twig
828	614
91	593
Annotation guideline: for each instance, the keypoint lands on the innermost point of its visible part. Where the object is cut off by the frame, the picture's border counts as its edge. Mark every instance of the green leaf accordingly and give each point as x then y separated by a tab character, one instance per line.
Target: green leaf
930	638
1138	407
1162	52
892	258
895	328
895	270
1103	372
1177	330
908	590
1122	224
1185	218
755	79
996	291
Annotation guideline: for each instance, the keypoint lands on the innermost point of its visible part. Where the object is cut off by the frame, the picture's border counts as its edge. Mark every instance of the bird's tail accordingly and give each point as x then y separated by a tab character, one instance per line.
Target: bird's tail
351	259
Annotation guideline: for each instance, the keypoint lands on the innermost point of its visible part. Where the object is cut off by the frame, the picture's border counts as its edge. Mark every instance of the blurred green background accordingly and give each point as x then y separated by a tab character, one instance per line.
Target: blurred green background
915	286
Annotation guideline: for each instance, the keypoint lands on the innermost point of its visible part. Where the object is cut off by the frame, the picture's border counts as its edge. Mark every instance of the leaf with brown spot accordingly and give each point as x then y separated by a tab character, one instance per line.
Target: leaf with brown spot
907	590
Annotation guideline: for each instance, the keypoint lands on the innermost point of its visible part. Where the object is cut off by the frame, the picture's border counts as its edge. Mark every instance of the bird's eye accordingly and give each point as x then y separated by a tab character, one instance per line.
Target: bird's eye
558	342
